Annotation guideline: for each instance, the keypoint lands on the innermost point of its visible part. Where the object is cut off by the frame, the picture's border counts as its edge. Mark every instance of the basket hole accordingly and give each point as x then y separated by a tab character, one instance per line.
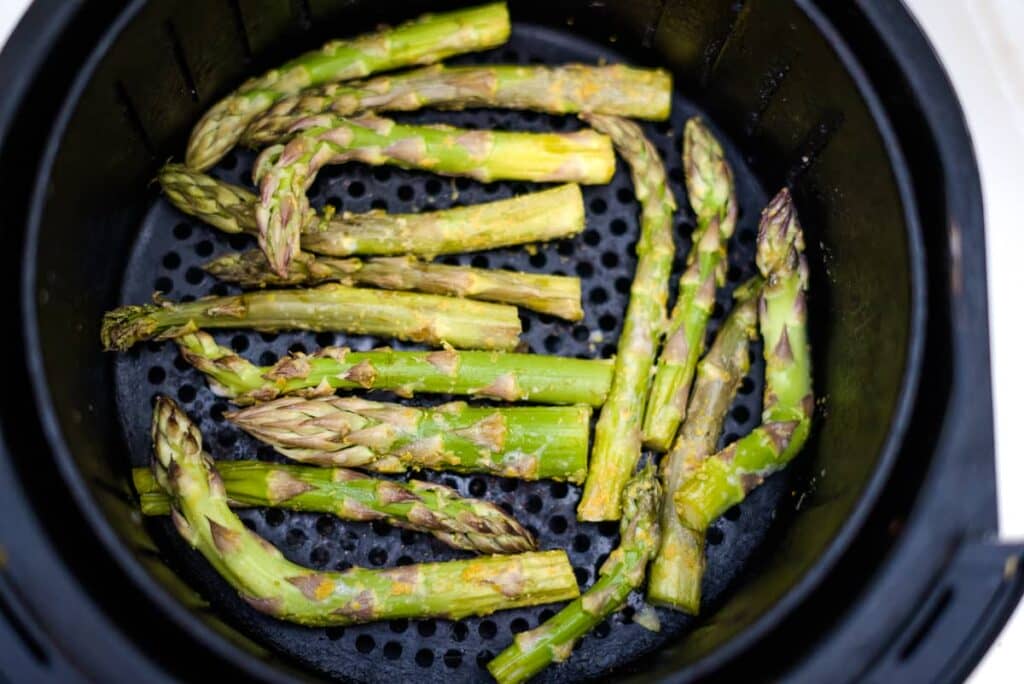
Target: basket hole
378	556
480	261
382	174
364	643
582	575
747	386
238	241
182	231
619	227
598	295
379	203
598	205
552	343
334	633
426	628
343	566
459	632
581	333
622	285
460	184
186	393
392	650
433	186
398	626
171	260
625	196
408	537
581	543
477	487
603	629
204	248
741	414
732	514
566	248
325	525
507	484
527	323
274	517
297	348
194	275
181	364
356	189
319	557
484	657
487	629
404	560
452	659
591	237
381	528
217	412
268	358
336	203
627	615
295	537
534	504
239	343
714	536
608	351
324	339
163	284
227	438
156	375
608	528
405	193
557	524
607	322
584	269
538	260
610	259
519	625
559	490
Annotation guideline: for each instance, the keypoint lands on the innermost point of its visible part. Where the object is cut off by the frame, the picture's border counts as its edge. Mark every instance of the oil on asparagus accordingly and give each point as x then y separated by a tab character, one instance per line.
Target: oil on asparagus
617	438
727	477
709	186
271	584
613	89
468	524
498	376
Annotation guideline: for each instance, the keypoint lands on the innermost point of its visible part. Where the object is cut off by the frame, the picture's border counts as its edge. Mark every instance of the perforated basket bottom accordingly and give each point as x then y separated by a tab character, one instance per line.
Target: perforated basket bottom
168	255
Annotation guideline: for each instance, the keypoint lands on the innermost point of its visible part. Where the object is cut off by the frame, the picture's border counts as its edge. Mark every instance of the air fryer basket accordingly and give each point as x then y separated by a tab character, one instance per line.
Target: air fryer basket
794	107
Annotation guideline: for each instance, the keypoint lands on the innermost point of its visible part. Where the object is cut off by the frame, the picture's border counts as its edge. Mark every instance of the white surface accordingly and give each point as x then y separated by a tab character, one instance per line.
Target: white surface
980	44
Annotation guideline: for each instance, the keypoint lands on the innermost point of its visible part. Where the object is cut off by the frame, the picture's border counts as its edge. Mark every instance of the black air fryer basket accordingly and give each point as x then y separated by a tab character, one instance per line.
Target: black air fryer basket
872	558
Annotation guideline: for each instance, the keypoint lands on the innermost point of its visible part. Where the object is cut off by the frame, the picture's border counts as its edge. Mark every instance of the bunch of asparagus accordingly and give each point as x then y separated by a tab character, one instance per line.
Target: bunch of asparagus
372	273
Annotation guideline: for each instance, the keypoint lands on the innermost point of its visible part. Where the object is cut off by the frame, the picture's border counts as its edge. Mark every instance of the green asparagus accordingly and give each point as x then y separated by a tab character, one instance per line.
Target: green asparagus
274	585
617	439
486	375
623	572
528	443
425	40
679	565
550	294
405	315
725	479
534	217
710	188
284	173
612	89
470	524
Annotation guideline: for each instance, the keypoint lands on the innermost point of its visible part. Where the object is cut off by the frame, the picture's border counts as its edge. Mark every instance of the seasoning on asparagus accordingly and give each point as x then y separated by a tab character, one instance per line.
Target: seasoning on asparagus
550	294
535	217
726	478
525	442
709	185
404	315
284	173
502	376
617	438
425	40
274	585
677	569
470	524
613	89
623	572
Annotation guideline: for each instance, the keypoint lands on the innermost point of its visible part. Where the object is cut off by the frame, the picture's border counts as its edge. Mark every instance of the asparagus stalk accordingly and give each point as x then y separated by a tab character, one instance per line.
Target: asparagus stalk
529	443
710	188
555	295
284	173
613	89
470	524
726	478
617	438
623	572
274	585
425	40
407	316
534	217
677	568
486	375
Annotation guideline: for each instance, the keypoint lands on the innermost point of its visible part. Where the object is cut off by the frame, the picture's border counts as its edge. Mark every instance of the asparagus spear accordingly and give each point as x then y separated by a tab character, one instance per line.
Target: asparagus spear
486	375
404	315
613	89
425	40
535	217
529	443
555	295
470	524
677	569
284	173
623	572
274	585
617	438
710	188
726	478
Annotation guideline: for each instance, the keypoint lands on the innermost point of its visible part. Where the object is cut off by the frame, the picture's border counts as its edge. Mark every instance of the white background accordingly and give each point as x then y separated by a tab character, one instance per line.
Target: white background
980	43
